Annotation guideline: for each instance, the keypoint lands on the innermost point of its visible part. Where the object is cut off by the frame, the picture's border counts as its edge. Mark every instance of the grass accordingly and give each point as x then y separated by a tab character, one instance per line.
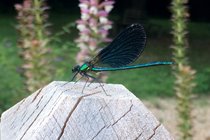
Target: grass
145	83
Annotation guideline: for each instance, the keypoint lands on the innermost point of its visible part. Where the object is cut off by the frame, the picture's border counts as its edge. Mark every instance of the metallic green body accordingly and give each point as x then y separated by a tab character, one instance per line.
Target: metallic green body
84	67
98	69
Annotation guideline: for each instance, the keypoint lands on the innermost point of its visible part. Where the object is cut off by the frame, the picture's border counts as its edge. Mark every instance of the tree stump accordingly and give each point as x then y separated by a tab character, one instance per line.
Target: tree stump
61	111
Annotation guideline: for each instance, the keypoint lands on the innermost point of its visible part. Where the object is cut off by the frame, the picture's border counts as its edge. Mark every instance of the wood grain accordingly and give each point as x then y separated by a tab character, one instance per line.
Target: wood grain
59	111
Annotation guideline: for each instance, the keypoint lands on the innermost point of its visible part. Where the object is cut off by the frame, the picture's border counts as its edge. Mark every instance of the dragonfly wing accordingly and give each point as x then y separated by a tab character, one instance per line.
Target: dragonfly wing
125	48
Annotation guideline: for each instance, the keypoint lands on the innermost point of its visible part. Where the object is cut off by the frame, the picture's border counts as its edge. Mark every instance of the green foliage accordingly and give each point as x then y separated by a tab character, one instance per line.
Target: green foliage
204	80
184	74
11	82
33	41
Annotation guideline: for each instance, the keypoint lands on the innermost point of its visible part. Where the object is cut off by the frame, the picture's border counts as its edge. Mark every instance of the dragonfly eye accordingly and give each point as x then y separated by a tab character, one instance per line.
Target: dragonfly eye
76	68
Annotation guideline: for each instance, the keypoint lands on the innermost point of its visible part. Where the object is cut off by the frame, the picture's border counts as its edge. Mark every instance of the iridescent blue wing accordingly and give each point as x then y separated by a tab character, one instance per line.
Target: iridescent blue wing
124	49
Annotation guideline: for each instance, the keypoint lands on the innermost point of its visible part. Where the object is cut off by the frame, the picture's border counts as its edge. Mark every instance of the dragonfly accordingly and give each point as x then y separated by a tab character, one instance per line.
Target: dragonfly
124	50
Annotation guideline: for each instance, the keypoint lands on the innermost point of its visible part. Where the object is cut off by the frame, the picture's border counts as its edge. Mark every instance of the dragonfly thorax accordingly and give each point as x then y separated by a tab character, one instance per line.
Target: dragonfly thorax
82	68
85	67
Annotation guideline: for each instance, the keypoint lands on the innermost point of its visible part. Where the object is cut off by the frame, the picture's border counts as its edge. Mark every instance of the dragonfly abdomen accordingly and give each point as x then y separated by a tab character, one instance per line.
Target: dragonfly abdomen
130	67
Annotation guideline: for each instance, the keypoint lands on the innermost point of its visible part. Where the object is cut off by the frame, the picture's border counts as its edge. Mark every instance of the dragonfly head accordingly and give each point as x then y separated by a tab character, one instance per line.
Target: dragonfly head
76	69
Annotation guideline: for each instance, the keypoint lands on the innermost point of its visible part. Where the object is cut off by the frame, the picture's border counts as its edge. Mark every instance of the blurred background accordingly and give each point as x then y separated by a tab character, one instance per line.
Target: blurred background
59	25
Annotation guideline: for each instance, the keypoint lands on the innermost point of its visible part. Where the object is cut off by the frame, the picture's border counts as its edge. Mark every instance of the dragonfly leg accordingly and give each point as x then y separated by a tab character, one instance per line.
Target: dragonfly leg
85	83
92	81
95	79
74	76
79	79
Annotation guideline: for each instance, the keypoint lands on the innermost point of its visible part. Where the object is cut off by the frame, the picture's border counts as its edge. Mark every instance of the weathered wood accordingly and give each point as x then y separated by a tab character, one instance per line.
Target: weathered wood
61	111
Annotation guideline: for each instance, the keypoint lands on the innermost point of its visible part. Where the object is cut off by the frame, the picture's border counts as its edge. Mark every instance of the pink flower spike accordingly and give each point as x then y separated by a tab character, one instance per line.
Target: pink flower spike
103	20
110	2
18	7
81	22
92	44
85	16
27	4
102	31
85	31
94	2
107	39
81	56
93	22
83	6
93	27
82	46
85	38
106	3
86	11
102	13
81	27
93	10
85	2
109	23
108	8
107	27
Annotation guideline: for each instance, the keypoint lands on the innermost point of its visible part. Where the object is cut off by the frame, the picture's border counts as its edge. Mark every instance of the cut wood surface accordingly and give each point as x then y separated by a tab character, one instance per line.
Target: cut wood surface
60	111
